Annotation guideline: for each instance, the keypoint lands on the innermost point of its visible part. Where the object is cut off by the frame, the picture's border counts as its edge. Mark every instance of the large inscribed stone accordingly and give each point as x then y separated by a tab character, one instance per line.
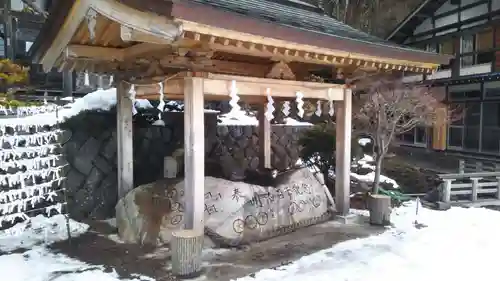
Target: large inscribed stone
235	212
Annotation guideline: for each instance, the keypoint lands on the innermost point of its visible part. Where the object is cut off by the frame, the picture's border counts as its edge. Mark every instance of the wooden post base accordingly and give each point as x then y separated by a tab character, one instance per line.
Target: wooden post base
186	253
380	209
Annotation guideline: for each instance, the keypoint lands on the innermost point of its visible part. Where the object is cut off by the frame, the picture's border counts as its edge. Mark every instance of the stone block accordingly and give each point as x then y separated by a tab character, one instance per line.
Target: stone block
102	164
74	180
442	206
93	179
235	212
108	149
347	219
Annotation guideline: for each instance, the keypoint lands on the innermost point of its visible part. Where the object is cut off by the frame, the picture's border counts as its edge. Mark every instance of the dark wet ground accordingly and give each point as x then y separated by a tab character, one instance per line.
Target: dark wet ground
100	246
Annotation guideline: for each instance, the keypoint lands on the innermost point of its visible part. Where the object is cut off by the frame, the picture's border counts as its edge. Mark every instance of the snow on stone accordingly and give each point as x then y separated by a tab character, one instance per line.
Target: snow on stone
370	177
364	163
39	230
364	141
242	118
98	100
453	243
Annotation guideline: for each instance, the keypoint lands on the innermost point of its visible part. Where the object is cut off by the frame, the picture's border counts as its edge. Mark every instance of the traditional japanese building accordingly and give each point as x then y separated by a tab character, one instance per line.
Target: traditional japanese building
470	31
261	52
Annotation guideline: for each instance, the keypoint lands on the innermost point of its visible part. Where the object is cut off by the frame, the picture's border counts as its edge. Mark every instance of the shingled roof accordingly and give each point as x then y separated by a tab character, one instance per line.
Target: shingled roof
298	16
291	21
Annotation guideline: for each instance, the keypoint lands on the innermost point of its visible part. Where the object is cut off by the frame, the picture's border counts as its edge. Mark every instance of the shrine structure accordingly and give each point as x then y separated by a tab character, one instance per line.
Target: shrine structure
254	51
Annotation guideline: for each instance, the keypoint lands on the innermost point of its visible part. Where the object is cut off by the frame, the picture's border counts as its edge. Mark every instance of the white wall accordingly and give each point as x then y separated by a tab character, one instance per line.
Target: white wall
424	26
16	5
445	8
450	19
495	5
474	12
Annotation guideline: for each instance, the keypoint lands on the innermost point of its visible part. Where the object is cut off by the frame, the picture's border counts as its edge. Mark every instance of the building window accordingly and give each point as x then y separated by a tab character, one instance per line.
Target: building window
465	133
464	92
490	141
467	47
472	123
446	47
433	48
492	90
415	136
484	40
477	48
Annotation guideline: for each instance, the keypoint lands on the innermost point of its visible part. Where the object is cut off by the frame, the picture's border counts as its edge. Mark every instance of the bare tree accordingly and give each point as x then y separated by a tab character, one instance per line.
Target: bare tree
387	107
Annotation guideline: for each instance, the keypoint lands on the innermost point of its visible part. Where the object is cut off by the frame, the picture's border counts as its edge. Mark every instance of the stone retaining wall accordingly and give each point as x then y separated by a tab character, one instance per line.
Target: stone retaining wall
89	143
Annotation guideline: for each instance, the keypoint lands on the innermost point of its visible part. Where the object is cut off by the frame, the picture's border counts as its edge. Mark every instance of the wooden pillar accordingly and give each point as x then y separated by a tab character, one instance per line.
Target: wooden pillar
343	111
8	31
125	145
264	139
194	153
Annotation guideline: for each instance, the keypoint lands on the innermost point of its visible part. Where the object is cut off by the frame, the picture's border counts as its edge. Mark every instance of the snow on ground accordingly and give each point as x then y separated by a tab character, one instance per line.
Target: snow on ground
457	245
38	263
38	230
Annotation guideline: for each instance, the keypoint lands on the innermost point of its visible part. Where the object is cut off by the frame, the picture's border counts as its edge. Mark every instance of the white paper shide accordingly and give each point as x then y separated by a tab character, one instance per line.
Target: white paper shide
30	167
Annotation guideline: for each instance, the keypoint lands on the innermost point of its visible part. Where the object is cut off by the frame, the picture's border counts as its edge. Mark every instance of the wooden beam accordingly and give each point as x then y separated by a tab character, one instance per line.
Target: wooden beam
125	145
138	25
299	49
139	50
264	139
104	55
69	28
220	85
194	155
143	26
128	34
343	115
155	96
281	70
94	53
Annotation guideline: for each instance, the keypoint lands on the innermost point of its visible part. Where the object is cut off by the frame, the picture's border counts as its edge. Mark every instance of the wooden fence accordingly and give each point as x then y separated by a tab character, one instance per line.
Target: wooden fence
470	187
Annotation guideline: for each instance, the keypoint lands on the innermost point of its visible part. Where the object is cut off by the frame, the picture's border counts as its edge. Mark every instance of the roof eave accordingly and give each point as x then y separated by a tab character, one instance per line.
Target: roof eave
210	16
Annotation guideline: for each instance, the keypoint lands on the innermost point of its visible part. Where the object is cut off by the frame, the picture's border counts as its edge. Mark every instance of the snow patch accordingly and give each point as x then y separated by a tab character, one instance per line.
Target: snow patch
364	141
242	118
39	230
39	264
456	239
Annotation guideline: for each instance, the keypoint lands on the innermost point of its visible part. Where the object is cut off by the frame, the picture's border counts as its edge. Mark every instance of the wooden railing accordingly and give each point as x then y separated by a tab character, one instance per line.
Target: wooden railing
476	166
470	187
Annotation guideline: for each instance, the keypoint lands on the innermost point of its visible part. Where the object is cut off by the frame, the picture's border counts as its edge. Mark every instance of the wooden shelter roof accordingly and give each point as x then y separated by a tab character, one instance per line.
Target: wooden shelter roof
255	28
